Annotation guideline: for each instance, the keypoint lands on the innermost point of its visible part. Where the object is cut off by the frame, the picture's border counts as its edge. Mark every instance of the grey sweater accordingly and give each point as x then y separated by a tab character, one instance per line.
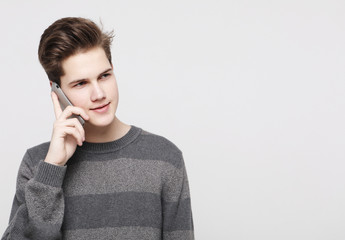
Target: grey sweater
133	188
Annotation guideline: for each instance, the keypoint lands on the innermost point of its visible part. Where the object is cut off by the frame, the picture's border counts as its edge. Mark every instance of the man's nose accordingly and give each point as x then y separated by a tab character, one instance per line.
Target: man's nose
97	92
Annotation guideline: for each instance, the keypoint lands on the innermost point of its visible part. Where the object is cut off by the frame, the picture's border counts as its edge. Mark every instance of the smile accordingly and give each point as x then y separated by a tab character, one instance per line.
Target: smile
101	109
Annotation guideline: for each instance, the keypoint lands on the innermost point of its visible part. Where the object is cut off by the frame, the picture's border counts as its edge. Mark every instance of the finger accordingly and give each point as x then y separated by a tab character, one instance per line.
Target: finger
67	127
80	128
73	122
57	107
70	110
71	131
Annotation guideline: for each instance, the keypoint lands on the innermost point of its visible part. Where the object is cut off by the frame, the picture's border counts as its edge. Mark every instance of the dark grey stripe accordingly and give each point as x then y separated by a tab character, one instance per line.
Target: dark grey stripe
184	234
177	216
116	233
36	154
113	210
122	142
145	147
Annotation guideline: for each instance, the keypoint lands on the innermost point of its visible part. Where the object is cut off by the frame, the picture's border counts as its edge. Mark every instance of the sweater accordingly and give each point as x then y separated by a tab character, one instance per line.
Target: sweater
133	188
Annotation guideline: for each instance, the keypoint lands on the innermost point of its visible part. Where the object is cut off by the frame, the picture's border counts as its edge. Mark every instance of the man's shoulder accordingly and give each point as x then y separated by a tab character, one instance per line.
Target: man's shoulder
157	147
155	140
38	152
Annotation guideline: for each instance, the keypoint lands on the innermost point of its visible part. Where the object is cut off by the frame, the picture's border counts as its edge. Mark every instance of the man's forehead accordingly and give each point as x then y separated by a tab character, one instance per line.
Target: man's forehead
85	65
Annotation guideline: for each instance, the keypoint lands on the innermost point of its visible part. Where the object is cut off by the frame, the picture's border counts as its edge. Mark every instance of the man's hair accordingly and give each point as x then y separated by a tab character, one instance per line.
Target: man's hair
66	37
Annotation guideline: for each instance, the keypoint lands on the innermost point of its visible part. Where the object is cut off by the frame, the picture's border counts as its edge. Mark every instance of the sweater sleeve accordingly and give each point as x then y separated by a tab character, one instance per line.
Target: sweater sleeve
38	205
177	211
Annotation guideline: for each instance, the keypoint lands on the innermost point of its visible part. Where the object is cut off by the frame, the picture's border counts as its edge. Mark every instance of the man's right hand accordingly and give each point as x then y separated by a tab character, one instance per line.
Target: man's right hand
67	133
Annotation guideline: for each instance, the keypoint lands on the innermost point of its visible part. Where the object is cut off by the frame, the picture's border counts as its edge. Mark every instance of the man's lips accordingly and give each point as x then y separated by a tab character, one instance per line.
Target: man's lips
100	107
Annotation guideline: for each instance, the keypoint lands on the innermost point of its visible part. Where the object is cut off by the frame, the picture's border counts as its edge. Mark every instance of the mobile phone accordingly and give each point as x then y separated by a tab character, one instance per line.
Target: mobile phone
64	101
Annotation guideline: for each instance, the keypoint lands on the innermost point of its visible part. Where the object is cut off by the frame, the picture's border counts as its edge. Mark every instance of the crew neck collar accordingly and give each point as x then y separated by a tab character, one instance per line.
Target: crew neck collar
129	137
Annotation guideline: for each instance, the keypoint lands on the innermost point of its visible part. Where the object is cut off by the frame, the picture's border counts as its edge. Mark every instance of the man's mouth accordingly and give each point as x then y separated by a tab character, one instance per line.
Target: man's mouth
101	108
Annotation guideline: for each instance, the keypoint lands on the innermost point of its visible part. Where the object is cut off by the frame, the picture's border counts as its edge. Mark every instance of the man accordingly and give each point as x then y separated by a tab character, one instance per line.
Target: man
103	180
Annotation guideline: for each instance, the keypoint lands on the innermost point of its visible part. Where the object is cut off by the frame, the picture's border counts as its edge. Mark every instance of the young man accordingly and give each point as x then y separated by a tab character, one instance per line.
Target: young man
103	180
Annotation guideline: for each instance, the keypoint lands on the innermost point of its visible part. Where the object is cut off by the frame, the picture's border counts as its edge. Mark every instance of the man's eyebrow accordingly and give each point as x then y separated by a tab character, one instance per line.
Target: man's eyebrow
109	69
76	81
83	79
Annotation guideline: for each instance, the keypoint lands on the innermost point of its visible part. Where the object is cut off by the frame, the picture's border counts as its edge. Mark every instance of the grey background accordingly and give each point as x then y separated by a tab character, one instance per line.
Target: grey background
252	92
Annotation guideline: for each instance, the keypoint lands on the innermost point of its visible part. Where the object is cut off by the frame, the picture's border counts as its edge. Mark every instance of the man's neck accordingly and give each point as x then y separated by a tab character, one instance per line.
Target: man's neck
114	131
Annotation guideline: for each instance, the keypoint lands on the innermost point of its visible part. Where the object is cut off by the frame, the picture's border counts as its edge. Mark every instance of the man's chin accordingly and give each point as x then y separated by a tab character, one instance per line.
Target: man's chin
98	124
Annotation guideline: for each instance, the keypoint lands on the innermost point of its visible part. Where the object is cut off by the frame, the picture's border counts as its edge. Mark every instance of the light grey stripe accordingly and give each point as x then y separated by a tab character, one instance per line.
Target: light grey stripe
176	187
39	202
128	233
125	175
179	235
113	210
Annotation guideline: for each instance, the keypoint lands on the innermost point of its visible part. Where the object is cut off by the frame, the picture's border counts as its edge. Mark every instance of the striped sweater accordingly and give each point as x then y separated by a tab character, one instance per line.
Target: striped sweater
134	188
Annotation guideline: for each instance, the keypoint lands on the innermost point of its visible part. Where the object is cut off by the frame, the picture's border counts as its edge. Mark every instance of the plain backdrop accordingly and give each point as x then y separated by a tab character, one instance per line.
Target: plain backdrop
252	92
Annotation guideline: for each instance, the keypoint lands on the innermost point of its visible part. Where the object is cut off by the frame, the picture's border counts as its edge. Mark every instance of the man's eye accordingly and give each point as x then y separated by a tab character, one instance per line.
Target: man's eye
105	75
79	84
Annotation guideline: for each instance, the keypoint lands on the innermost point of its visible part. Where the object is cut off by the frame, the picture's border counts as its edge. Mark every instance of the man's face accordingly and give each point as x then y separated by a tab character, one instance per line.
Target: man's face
89	83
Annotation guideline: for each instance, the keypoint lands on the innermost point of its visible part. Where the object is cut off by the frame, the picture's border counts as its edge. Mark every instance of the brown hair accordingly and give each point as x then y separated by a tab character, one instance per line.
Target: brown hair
66	37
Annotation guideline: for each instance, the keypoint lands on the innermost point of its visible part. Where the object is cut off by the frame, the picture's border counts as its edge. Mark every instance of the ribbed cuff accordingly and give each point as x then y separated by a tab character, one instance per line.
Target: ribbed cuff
50	174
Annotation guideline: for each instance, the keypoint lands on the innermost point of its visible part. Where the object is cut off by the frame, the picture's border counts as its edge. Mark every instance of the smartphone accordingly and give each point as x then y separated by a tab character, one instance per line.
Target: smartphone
64	102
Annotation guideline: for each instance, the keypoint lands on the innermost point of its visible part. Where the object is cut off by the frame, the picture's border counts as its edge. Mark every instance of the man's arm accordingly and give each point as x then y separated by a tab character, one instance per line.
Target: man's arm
38	205
177	211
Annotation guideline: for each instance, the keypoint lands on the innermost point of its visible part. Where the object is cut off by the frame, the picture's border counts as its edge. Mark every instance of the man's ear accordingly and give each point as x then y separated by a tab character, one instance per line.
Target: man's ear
51	83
